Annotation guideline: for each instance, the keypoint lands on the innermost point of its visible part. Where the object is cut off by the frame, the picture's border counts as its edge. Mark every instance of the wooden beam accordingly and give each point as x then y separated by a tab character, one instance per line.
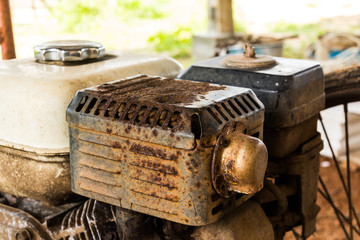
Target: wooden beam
220	18
7	43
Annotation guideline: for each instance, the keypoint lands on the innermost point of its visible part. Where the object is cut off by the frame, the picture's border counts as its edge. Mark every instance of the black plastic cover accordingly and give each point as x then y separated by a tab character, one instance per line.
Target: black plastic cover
292	90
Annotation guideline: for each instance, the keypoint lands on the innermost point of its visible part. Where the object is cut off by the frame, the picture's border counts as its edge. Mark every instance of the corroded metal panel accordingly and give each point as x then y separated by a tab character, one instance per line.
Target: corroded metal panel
146	144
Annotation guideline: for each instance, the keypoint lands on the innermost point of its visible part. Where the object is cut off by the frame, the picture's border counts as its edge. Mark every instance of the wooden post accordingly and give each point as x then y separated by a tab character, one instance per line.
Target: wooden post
7	43
220	19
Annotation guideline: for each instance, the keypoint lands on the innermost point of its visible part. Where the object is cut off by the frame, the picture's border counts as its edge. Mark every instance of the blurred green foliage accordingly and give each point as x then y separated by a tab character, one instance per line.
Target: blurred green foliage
308	29
307	35
239	27
354	29
295	51
144	9
176	44
83	15
76	16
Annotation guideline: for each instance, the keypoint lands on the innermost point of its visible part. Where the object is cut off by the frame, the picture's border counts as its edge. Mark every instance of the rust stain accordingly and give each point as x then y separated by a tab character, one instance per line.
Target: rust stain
149	151
171	198
155	133
194	163
230	164
155	179
117	145
165	169
127	130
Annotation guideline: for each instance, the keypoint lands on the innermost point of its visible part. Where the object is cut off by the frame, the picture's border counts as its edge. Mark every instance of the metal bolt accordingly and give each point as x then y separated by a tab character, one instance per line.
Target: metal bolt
23	235
111	236
249	51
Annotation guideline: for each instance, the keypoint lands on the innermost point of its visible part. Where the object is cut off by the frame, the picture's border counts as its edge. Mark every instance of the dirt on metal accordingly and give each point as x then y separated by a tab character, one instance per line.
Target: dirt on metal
169	91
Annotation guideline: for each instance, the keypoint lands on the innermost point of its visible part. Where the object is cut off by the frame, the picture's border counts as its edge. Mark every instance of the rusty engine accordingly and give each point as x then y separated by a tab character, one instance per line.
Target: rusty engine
173	149
164	158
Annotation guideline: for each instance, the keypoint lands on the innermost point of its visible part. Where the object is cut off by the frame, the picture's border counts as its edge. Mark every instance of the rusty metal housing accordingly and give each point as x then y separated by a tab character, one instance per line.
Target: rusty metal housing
146	144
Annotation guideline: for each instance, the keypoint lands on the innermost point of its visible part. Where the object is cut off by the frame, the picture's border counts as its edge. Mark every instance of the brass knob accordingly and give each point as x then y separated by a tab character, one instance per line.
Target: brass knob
239	162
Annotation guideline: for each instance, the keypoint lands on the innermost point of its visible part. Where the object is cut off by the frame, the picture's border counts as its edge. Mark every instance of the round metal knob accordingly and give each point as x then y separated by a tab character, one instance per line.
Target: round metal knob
68	50
239	162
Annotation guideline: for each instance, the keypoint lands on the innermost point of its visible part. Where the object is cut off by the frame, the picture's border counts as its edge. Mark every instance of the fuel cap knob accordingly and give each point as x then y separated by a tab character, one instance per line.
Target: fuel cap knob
249	59
68	50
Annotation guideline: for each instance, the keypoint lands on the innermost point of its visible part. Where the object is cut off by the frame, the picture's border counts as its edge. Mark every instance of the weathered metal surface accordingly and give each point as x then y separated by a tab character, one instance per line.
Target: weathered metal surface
293	94
25	218
304	164
167	102
125	152
248	222
338	82
239	161
91	220
249	59
292	90
133	225
47	173
16	224
6	33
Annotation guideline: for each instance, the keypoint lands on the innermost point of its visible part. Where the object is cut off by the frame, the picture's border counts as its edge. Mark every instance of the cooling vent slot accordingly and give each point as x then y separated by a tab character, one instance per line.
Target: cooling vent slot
81	103
91	105
232	108
140	114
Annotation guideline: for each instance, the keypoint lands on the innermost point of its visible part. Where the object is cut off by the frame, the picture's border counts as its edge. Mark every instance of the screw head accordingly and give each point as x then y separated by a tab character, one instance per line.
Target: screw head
23	235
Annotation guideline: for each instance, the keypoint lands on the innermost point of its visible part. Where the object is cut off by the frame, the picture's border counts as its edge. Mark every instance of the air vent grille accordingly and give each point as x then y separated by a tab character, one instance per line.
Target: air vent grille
134	113
235	107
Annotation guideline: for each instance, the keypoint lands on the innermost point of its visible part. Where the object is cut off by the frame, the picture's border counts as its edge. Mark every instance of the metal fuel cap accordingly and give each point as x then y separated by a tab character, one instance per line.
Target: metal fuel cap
249	59
68	50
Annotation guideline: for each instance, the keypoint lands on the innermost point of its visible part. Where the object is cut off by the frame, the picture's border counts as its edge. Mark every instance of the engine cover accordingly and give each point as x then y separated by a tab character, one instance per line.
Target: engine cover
147	144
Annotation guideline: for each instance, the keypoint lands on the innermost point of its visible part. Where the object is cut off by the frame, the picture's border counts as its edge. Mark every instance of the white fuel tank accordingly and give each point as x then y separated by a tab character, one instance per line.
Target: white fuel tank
34	95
